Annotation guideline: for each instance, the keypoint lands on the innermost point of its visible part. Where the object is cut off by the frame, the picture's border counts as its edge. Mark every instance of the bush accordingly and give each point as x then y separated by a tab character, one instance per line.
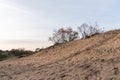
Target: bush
89	30
63	35
3	57
14	53
38	49
21	52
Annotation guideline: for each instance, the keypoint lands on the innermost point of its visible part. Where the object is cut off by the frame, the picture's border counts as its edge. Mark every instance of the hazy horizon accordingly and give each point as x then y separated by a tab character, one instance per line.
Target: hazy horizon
28	23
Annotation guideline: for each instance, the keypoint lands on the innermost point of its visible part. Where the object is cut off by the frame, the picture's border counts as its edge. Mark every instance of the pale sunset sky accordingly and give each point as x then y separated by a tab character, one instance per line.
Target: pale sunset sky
28	23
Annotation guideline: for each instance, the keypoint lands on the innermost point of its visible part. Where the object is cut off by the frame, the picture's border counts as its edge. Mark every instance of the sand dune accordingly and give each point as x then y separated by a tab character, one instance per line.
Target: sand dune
94	58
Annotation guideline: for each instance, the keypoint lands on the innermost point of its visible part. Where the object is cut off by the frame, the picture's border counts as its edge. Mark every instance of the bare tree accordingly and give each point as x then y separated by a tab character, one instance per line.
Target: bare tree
63	35
89	30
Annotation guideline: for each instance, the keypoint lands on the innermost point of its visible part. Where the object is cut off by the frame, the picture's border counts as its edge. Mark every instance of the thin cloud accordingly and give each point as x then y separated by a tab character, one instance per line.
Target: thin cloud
6	4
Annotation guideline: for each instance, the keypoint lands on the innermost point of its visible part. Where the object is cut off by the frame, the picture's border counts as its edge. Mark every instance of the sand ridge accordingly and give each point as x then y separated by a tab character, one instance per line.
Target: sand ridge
94	58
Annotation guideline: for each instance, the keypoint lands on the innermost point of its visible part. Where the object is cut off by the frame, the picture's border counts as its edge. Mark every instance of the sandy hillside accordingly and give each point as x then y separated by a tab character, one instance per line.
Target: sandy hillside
95	58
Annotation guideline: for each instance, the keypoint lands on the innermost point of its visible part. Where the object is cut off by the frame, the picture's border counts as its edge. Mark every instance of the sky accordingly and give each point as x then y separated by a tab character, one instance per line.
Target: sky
28	23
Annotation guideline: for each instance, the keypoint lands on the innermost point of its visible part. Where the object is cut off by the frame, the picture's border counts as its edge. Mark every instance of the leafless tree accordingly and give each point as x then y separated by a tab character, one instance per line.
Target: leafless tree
89	30
63	35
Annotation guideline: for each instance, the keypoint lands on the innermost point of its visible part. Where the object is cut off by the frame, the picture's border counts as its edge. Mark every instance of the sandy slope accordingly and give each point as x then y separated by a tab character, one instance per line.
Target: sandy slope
95	58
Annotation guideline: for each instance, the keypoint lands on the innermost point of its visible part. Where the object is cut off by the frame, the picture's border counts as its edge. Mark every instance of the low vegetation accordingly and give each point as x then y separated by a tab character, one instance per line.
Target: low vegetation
14	53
